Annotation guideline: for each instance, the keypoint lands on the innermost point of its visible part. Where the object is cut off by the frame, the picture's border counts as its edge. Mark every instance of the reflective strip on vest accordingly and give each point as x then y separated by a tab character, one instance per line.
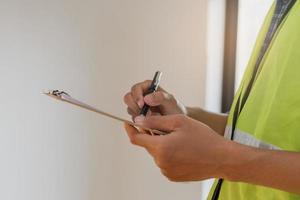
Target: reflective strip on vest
248	139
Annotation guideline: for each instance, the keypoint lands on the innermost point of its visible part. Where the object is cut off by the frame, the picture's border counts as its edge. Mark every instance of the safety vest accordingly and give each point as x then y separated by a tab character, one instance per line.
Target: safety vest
270	118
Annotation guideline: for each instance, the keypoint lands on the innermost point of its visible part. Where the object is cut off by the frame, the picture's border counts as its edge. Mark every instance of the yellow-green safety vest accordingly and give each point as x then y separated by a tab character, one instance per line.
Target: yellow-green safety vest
270	118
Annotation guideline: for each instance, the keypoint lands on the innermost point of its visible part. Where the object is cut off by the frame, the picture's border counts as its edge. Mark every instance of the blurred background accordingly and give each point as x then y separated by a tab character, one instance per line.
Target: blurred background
96	50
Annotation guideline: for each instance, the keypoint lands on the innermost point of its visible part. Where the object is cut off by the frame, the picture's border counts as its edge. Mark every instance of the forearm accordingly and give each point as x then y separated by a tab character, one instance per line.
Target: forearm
270	168
215	121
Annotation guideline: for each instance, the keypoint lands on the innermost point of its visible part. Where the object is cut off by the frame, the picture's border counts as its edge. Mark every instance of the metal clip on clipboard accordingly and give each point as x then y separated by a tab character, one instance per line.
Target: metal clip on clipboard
63	96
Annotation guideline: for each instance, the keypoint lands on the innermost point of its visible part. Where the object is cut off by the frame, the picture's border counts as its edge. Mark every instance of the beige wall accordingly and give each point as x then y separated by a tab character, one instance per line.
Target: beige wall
95	50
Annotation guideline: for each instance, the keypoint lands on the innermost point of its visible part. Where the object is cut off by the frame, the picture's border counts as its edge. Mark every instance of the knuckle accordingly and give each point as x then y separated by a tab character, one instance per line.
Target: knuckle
137	89
159	163
169	175
162	163
139	85
173	179
136	92
133	140
134	87
158	96
164	172
179	120
147	82
129	111
126	97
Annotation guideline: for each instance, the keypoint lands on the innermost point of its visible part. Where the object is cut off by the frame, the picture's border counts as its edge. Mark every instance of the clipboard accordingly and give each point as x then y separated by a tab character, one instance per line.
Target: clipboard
65	97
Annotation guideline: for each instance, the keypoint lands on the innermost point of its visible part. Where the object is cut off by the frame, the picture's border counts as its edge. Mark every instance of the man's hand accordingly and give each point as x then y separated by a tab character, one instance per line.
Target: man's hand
161	102
192	151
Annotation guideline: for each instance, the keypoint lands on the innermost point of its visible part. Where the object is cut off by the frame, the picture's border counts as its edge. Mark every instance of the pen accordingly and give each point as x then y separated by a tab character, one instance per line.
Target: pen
153	87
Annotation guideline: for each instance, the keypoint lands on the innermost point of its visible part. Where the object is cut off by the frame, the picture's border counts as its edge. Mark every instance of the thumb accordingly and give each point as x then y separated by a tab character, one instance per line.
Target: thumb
166	123
157	98
140	139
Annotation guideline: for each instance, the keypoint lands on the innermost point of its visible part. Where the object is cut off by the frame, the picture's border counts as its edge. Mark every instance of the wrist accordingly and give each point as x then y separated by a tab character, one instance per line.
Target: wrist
238	161
195	113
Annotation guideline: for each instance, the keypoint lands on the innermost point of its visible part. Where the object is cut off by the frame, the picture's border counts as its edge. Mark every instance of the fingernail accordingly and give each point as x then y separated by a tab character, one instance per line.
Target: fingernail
139	119
141	103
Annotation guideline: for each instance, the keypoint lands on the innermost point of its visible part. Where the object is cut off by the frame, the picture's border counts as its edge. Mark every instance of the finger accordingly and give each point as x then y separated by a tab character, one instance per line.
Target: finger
167	123
157	98
156	114
149	113
138	91
129	101
143	140
132	113
155	109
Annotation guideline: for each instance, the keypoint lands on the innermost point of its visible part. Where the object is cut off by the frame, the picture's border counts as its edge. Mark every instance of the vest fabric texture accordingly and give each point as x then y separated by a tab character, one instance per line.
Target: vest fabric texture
270	118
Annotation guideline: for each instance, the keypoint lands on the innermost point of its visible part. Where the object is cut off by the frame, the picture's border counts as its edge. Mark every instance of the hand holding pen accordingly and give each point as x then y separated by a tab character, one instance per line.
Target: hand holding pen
147	93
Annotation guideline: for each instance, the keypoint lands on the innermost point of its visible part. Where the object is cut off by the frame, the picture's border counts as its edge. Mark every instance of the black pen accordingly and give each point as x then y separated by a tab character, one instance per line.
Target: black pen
153	87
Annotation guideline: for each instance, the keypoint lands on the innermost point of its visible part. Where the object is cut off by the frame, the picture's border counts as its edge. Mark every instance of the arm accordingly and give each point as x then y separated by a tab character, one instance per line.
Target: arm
193	151
271	168
214	120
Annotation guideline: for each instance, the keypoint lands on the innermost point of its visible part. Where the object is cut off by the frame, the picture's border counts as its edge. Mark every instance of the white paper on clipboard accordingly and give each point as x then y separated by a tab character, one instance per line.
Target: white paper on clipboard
63	96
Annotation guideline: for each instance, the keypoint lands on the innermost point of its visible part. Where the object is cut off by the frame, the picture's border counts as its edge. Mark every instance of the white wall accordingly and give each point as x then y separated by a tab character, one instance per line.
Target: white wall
250	19
215	54
95	50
